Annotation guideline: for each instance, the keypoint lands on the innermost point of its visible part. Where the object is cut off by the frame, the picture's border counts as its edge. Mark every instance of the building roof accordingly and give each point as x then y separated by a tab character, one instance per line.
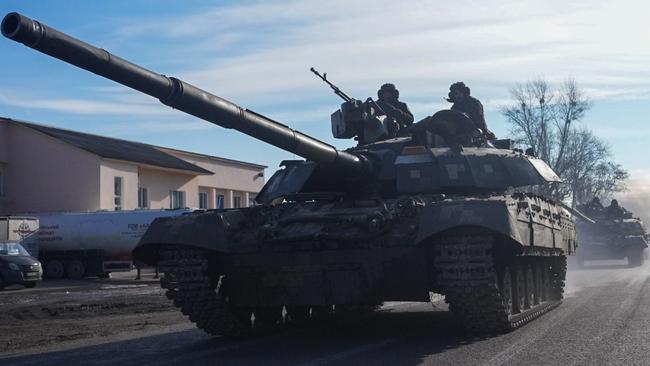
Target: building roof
211	157
112	148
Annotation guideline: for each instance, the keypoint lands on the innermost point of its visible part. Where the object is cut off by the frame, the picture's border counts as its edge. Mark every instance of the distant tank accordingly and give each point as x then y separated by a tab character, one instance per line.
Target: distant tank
611	236
437	209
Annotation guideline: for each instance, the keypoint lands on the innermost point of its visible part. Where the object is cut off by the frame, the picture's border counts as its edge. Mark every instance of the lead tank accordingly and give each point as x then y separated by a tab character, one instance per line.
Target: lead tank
437	209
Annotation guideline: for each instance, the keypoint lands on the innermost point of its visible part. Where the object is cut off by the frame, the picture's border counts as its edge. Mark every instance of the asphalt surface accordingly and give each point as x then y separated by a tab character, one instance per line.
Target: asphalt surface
604	320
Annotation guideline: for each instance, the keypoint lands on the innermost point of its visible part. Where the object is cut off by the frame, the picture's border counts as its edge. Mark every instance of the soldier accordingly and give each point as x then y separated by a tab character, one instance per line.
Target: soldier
595	207
614	211
398	112
459	94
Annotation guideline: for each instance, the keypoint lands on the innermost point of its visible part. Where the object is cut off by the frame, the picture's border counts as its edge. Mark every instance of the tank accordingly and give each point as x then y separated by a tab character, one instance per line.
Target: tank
611	236
435	209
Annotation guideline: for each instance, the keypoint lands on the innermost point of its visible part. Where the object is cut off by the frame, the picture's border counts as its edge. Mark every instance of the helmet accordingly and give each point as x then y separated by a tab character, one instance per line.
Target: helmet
614	203
459	85
388	87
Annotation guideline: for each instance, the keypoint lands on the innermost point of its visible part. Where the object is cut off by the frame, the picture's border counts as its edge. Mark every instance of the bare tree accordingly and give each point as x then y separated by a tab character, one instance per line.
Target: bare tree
547	121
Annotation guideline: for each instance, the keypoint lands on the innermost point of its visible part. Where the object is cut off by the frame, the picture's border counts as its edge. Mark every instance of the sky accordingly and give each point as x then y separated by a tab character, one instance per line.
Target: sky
258	54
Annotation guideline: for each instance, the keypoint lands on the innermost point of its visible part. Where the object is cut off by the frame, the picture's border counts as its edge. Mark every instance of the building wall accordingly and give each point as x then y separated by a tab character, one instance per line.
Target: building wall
4	142
44	174
110	169
230	179
160	183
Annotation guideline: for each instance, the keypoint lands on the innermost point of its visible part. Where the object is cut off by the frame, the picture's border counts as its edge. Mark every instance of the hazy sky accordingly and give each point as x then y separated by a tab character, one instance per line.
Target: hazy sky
258	54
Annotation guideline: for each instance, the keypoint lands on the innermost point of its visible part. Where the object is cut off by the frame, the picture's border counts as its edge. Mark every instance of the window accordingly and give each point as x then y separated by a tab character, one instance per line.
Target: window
118	187
203	200
143	197
2	184
221	201
176	199
236	201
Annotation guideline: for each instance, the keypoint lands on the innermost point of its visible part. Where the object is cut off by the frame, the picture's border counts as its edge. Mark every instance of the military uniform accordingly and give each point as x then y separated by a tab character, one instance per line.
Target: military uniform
469	105
614	211
398	113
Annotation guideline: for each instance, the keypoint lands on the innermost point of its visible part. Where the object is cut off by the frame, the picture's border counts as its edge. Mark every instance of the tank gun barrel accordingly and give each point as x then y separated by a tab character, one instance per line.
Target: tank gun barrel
177	93
577	213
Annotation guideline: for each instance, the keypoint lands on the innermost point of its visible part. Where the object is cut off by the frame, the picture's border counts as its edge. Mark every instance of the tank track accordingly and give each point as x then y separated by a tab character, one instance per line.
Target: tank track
467	276
188	284
197	293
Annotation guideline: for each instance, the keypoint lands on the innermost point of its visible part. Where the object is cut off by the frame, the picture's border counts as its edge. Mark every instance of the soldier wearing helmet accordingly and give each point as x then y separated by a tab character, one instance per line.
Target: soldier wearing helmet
459	94
399	115
615	211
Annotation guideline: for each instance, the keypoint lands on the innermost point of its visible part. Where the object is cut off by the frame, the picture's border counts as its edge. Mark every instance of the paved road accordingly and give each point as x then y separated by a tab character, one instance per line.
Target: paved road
604	320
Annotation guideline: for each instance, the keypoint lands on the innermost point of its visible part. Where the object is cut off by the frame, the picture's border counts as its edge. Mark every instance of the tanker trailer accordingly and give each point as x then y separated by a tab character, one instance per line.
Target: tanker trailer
21	229
94	243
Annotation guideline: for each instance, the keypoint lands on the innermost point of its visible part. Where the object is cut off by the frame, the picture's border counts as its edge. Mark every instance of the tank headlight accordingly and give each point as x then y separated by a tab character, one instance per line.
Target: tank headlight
14	266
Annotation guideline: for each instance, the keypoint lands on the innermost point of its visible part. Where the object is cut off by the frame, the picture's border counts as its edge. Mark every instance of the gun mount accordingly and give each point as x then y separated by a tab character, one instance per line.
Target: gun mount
178	94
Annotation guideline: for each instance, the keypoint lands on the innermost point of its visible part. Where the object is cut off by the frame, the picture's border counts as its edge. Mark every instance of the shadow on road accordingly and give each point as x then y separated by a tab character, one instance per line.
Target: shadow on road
388	337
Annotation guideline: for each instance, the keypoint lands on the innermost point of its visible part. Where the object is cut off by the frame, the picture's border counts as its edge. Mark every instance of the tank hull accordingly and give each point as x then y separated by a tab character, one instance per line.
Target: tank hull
361	253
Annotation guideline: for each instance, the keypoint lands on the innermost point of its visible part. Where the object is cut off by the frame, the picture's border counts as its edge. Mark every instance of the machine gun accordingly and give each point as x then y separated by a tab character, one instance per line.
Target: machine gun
336	89
362	120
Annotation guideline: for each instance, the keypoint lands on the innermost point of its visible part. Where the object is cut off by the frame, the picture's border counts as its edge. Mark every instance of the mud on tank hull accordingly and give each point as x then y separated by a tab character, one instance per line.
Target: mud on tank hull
499	260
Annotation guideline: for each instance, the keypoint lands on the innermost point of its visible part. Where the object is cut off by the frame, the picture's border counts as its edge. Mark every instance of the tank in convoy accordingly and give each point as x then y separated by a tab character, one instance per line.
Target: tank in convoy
612	233
435	209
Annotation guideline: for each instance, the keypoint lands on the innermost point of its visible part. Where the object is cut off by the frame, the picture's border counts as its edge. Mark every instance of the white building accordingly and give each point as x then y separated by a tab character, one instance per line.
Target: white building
45	169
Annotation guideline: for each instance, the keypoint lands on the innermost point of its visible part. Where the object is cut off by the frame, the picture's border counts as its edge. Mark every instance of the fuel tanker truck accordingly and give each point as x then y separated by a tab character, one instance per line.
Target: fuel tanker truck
434	208
76	245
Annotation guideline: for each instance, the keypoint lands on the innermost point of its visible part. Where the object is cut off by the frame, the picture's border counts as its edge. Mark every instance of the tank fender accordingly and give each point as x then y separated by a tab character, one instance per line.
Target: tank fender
211	230
494	215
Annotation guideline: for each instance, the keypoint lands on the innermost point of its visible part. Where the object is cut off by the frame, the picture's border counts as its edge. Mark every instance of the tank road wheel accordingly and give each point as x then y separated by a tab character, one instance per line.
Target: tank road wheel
635	257
196	289
505	289
546	282
321	312
557	277
539	284
244	315
268	317
530	286
75	269
298	313
520	290
54	269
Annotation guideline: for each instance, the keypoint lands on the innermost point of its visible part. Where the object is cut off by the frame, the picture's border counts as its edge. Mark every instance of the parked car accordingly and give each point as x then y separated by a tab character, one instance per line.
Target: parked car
17	267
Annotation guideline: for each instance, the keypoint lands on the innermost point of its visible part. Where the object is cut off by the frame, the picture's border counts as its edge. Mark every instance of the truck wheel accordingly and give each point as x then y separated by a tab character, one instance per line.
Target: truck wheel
54	269
76	269
635	257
